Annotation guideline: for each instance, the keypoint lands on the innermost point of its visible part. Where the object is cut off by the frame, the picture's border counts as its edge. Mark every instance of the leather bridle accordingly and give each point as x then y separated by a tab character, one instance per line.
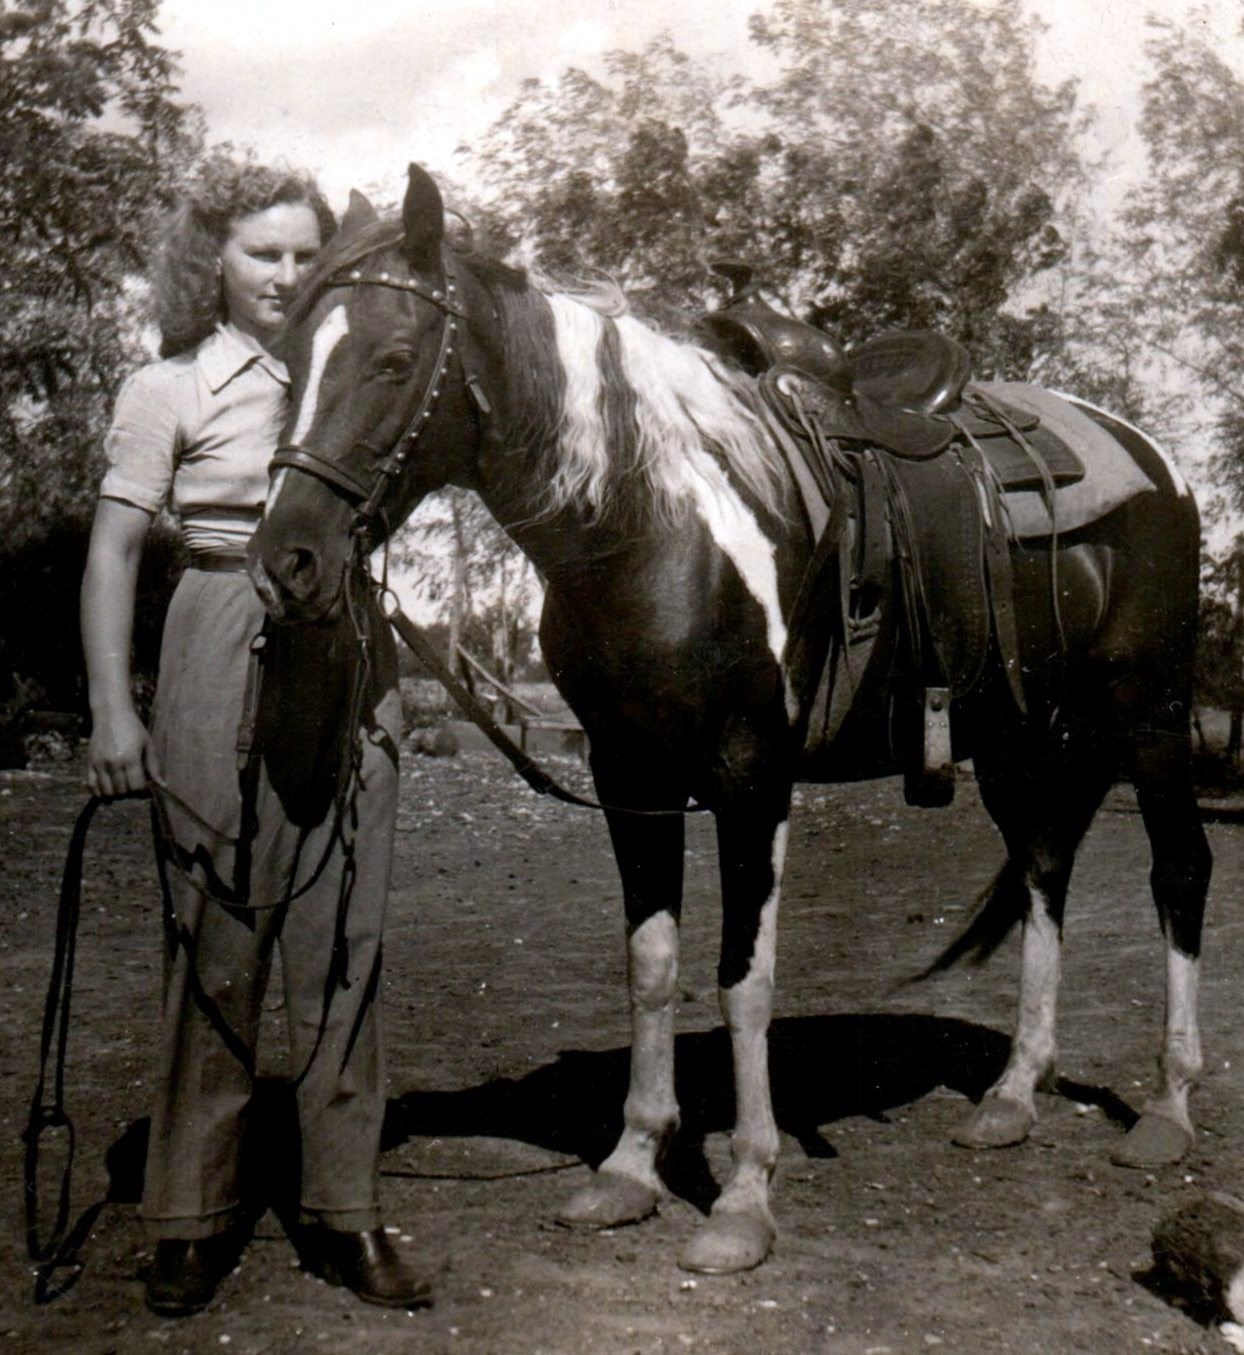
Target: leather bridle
368	499
368	502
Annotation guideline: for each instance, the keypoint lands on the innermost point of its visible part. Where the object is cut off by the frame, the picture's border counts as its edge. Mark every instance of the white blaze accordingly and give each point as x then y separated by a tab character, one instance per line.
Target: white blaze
333	328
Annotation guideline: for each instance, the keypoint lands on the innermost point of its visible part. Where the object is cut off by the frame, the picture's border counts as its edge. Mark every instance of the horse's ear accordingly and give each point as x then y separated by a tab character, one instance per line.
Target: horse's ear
423	219
359	213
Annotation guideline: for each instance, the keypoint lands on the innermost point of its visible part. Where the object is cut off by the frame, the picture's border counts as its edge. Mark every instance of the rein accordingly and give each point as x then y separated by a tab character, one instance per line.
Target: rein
541	781
59	1251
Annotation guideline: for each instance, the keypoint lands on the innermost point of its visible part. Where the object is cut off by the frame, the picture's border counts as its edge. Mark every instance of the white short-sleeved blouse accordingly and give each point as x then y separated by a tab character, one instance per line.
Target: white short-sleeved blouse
195	433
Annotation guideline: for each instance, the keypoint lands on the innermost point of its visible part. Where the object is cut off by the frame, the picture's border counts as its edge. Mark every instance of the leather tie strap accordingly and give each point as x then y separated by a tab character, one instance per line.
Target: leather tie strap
535	776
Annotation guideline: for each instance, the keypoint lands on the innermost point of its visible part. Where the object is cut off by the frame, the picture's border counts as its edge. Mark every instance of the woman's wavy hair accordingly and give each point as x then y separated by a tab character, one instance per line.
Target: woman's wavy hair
186	287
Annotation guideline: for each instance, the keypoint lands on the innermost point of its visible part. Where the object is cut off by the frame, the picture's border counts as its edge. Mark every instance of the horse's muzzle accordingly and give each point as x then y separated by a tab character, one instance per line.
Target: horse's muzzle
296	591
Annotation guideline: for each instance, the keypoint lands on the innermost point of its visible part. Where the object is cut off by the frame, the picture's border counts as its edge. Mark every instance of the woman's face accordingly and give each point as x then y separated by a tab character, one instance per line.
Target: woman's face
264	251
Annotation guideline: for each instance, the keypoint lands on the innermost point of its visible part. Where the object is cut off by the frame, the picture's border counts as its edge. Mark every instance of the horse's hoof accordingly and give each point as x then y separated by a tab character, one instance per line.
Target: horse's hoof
608	1200
1153	1141
728	1242
995	1123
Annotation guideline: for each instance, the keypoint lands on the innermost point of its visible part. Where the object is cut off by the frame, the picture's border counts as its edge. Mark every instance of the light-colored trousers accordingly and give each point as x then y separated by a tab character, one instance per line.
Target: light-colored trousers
218	957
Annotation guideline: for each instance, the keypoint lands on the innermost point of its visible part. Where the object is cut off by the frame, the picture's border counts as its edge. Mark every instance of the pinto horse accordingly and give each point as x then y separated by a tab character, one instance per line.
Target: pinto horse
634	472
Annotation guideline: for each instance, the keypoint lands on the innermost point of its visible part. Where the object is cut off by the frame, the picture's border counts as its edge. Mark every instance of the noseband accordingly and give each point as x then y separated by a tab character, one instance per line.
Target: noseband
369	498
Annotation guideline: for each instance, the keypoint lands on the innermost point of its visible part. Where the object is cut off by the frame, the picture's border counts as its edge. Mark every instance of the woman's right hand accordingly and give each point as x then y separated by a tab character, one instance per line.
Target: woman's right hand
118	760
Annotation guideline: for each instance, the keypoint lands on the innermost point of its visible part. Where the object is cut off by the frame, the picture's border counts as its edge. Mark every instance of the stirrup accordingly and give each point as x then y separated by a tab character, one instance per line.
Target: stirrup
932	784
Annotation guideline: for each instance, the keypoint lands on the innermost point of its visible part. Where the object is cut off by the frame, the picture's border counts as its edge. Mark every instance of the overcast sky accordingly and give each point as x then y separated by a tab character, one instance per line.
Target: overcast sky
354	90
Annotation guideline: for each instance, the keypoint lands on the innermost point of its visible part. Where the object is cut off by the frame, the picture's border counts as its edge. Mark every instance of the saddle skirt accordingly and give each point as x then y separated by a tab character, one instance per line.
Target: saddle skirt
1110	475
924	586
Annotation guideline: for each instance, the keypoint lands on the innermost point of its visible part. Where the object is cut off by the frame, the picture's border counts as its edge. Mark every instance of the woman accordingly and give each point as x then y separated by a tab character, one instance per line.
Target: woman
271	760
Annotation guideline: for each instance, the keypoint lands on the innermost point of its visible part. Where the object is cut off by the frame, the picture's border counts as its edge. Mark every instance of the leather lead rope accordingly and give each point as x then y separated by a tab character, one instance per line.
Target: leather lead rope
535	776
59	1250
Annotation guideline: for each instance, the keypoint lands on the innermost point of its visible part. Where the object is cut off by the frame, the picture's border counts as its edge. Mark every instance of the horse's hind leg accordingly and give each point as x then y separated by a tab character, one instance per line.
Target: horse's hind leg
1043	818
627	1187
751	838
1179	877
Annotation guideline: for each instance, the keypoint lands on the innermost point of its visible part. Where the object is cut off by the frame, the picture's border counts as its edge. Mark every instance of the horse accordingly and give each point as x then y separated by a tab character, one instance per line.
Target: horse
634	471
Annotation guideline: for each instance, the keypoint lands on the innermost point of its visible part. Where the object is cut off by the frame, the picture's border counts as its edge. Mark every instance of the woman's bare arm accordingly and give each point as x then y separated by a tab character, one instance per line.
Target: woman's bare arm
119	760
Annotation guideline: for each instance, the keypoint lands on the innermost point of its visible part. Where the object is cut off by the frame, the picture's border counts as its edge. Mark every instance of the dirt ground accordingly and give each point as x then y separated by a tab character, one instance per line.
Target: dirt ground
506	1013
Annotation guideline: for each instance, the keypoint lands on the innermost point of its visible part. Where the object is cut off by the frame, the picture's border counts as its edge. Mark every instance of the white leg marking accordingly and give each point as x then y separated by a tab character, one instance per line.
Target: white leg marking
1181	1052
747	1008
333	328
1034	1046
1183	1033
651	1111
1164	1132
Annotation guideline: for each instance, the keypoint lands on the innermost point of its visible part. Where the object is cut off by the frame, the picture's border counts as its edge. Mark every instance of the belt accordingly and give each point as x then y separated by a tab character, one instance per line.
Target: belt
218	563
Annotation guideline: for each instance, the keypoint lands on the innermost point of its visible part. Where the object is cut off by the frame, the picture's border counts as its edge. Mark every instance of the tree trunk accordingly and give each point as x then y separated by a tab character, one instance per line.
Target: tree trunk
457	596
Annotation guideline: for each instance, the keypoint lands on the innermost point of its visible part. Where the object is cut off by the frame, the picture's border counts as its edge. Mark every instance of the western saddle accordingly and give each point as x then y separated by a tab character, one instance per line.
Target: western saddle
889	392
927	535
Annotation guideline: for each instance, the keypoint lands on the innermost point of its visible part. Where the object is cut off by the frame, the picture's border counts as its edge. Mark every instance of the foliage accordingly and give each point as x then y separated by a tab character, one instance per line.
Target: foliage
903	169
1183	246
91	139
1185	221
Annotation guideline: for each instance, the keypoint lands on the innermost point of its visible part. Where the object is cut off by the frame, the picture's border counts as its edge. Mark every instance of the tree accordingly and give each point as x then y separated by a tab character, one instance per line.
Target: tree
482	583
1183	243
1184	231
91	140
904	169
1220	673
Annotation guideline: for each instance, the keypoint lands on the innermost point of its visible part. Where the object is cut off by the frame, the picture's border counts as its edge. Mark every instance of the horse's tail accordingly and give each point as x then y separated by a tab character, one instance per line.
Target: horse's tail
1000	906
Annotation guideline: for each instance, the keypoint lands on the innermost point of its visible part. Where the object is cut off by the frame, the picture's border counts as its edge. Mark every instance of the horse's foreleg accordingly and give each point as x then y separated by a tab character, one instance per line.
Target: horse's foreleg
1180	879
627	1187
1043	822
740	1230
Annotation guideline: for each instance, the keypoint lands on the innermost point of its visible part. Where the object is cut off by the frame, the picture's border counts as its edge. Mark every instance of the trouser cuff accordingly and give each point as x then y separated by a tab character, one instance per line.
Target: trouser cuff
193	1229
342	1220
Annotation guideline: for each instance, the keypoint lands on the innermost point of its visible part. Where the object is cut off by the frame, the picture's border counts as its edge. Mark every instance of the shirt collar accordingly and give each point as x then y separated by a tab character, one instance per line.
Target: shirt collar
227	353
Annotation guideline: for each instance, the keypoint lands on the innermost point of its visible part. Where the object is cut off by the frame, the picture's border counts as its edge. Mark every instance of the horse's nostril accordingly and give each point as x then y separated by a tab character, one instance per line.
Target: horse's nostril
302	564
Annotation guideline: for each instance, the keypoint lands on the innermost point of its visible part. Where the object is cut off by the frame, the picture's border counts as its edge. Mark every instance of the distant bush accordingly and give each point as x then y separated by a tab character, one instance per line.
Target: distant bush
424	703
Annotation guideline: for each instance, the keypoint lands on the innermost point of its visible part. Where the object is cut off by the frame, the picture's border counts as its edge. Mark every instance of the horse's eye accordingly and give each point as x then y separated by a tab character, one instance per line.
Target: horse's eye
394	366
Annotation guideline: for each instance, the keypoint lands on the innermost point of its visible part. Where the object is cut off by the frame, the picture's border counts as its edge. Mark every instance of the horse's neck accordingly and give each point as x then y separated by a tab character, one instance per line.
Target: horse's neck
562	546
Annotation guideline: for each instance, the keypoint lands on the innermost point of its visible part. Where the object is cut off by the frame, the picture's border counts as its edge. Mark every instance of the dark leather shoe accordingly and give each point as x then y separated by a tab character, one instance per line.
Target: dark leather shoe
184	1276
367	1263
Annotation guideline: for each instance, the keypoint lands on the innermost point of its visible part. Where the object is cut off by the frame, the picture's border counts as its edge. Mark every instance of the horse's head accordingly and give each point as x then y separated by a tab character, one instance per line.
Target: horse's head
373	343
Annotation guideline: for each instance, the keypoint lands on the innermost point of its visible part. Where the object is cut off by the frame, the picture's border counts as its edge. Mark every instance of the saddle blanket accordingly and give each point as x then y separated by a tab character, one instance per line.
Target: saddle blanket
1111	476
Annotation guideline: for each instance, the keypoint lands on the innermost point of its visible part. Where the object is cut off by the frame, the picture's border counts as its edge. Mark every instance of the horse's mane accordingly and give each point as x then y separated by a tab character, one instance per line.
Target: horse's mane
616	416
641	415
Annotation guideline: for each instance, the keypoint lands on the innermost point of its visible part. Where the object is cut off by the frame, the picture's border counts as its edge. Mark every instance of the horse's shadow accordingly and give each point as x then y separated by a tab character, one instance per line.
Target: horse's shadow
823	1069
